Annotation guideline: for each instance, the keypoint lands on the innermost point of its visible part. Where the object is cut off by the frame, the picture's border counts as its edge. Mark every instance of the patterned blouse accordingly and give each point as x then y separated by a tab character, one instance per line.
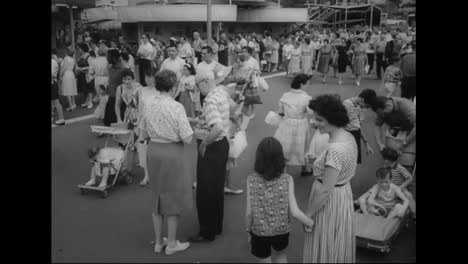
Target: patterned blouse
341	156
164	118
269	201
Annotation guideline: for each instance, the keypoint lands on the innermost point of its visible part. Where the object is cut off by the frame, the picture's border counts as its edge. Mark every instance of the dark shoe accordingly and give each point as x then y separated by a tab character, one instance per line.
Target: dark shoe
306	173
200	239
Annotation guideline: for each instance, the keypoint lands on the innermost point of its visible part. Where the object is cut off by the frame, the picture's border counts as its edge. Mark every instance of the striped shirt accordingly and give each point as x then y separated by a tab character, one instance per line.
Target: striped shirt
355	114
215	111
399	174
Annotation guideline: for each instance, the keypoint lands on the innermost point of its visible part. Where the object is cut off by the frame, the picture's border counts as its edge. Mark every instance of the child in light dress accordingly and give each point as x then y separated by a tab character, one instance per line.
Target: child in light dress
386	194
105	162
102	98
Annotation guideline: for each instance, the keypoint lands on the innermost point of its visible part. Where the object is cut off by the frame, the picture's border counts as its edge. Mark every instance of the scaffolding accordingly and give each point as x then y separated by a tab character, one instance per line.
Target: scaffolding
341	13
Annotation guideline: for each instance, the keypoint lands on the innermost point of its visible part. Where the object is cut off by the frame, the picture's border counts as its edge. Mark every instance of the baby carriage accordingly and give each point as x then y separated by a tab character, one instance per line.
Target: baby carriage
117	173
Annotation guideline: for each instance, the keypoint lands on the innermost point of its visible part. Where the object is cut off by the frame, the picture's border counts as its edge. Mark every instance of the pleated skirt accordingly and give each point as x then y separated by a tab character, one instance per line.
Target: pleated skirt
332	239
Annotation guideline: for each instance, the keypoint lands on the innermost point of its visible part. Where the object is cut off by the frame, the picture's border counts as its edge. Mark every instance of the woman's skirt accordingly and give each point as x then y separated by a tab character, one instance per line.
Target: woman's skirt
170	178
342	63
306	64
359	64
81	83
324	63
186	101
295	136
294	65
332	239
68	84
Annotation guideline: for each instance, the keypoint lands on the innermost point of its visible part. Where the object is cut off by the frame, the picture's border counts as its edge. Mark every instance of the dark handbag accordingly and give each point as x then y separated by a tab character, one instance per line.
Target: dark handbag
251	95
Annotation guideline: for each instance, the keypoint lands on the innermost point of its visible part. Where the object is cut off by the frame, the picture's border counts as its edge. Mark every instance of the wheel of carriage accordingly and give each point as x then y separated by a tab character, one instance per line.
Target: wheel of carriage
128	179
83	191
104	194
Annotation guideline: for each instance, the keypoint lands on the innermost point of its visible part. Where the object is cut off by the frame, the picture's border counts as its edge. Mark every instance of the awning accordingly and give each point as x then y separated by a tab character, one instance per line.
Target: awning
97	14
79	3
272	15
176	13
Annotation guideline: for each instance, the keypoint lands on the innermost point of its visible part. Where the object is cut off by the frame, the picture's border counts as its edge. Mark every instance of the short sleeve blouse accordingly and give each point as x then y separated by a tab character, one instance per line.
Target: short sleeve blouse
340	155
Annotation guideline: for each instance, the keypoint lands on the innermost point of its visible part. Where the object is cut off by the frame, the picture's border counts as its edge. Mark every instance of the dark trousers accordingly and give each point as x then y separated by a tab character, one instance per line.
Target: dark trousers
357	137
109	112
370	61
223	57
198	55
380	65
408	87
211	175
143	66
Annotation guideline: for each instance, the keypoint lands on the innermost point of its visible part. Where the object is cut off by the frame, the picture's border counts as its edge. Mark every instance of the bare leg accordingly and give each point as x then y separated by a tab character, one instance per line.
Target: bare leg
340	78
59	109
105	176
228	179
279	256
92	180
172	230
157	225
70	102
358	80
396	211
412	202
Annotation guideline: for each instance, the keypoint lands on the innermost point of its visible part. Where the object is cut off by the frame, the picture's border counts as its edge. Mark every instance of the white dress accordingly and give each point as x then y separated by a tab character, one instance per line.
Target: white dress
294	130
68	87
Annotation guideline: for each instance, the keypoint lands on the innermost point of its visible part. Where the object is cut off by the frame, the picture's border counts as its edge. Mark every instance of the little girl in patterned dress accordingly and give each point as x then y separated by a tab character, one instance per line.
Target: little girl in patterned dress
391	78
270	204
102	98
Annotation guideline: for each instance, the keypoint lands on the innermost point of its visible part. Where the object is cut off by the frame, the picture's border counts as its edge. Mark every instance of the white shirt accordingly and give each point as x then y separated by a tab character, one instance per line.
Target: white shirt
315	44
252	63
243	42
205	67
185	50
176	65
146	51
287	48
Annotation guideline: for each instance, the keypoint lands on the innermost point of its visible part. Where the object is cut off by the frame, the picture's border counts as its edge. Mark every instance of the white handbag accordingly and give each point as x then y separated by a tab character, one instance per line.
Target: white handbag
273	119
237	145
262	84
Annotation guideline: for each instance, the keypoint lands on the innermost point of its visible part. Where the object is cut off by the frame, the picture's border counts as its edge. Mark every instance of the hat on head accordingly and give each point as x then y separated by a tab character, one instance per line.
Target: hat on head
221	72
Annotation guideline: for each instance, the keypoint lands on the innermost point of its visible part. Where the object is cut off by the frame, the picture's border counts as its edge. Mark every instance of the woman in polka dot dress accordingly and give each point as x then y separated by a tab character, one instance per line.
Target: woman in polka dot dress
270	203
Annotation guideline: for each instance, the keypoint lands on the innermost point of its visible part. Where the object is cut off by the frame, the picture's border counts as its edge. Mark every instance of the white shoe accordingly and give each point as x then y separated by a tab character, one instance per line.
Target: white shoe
90	105
84	105
159	248
230	191
252	116
179	247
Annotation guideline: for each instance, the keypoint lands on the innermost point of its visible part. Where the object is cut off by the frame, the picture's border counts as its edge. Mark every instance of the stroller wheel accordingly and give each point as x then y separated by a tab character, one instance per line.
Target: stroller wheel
128	179
83	191
104	194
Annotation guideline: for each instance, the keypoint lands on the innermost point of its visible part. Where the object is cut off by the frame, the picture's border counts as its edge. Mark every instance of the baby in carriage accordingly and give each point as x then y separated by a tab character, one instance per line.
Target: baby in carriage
105	162
387	195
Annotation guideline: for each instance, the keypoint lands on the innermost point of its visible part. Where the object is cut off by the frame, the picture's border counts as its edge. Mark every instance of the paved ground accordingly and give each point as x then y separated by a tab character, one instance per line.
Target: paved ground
119	229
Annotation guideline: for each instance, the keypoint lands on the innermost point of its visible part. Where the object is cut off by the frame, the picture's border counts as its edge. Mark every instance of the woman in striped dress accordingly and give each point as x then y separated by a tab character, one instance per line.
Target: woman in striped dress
332	238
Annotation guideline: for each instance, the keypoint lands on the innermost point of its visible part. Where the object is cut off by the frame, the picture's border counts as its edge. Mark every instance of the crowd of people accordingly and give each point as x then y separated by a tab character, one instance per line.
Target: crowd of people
207	90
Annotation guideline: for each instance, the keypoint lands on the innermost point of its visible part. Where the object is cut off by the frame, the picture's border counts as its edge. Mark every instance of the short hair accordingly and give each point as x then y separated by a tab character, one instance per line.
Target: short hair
165	80
127	73
172	45
368	95
54	51
83	47
248	49
113	54
383	173
190	68
147	35
390	154
331	108
102	51
326	40
208	49
124	56
298	80
150	72
269	159
379	103
93	151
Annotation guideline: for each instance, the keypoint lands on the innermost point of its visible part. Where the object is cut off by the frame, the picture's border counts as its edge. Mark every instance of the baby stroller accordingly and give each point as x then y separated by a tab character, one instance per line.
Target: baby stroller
117	174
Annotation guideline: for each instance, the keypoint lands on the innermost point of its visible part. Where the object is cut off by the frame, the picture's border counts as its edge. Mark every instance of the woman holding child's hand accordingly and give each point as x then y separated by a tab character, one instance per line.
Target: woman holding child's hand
331	200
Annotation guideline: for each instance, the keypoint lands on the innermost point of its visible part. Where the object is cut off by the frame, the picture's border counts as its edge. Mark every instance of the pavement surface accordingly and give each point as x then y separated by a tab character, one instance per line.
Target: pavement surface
119	228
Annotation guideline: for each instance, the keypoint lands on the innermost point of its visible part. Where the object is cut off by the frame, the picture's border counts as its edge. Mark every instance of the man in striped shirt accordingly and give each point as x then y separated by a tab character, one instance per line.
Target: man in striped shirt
213	151
355	107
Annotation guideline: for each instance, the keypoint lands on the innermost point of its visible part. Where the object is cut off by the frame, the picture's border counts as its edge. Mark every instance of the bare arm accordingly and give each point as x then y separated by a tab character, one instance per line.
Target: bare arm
248	214
378	136
407	175
400	195
373	193
323	194
118	101
294	209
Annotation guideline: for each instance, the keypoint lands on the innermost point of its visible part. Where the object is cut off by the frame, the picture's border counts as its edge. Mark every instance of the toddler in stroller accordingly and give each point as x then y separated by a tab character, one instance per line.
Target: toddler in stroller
106	162
384	197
